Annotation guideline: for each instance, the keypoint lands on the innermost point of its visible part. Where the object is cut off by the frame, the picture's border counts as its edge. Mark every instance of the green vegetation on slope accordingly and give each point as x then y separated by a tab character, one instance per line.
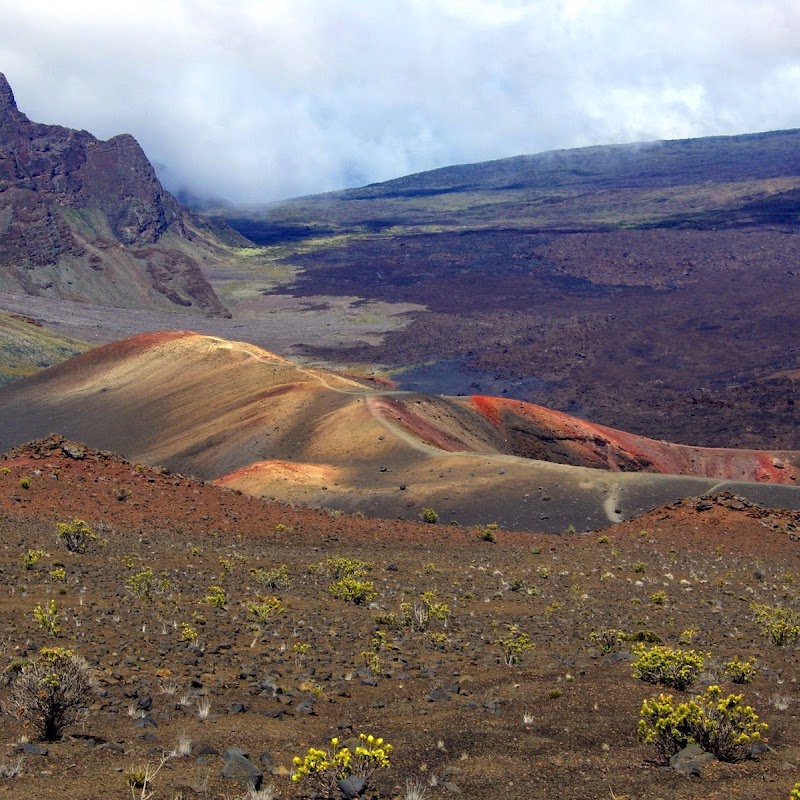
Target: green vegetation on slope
26	347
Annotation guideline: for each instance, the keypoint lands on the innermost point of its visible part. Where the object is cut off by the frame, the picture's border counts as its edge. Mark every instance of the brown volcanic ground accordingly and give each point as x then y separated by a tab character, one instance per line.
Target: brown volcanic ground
453	710
251	420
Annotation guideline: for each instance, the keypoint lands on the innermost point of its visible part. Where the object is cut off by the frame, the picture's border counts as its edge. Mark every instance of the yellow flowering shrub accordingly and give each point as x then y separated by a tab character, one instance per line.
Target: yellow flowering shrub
723	726
355	762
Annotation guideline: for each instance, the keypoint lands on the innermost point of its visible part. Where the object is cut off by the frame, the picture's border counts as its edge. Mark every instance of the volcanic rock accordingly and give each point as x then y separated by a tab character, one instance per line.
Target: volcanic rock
89	220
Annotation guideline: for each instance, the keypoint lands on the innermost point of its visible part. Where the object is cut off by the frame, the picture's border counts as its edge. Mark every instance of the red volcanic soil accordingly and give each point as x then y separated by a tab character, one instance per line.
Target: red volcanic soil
560	723
535	432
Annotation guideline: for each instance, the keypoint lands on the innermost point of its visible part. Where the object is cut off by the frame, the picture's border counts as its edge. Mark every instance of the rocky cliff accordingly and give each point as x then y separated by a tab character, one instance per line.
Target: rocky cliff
88	220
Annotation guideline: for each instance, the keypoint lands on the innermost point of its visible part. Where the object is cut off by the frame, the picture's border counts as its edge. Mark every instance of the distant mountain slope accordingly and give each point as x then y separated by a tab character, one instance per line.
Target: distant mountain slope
84	219
250	420
26	346
592	188
650	287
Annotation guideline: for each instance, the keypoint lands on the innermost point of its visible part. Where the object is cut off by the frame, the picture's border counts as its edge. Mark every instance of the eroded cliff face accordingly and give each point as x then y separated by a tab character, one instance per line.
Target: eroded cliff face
86	219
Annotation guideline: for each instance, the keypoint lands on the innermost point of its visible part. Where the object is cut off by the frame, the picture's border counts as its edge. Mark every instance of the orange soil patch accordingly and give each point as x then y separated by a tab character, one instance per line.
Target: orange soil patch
275	470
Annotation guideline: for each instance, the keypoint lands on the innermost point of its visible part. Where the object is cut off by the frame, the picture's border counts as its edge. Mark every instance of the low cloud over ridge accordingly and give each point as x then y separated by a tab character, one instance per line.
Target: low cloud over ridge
256	101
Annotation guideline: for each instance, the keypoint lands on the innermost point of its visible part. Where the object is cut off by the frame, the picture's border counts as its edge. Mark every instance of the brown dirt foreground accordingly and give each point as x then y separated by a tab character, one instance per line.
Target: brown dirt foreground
561	724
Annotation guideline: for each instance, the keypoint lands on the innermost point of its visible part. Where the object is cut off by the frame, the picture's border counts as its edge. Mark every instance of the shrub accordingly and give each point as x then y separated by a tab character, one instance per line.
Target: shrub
687	636
141	584
24	483
670	666
353	590
658	598
419	615
216	597
795	793
739	671
76	536
781	625
300	650
644	636
58	574
339	567
52	692
32	557
263	609
47	617
489	533
343	770
429	516
608	640
514	644
272	579
188	633
724	727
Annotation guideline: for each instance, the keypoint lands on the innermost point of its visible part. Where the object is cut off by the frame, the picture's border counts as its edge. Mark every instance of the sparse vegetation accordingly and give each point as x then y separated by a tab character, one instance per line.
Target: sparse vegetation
52	692
724	726
344	768
76	536
514	644
669	666
780	624
47	616
451	616
429	516
31	557
353	590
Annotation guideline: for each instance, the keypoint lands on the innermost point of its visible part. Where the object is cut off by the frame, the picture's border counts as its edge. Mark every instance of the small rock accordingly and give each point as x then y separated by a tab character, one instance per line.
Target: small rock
241	770
689	760
306	707
31	749
352	787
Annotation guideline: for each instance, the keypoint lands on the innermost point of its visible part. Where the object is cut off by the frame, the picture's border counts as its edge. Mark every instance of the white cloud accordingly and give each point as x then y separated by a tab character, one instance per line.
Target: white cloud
261	99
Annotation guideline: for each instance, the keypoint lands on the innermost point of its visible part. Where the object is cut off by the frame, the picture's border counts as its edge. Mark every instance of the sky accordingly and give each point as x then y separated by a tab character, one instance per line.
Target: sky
258	100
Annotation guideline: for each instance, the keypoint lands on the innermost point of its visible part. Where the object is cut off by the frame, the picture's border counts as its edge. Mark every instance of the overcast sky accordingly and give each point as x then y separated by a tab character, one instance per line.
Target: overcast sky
255	100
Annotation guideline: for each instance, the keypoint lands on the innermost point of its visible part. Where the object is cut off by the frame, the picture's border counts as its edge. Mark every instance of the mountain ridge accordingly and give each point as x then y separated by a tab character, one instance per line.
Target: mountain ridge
86	219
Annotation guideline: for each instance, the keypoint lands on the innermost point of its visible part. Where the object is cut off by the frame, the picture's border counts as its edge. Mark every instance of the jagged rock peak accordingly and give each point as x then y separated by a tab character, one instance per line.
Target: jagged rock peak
8	105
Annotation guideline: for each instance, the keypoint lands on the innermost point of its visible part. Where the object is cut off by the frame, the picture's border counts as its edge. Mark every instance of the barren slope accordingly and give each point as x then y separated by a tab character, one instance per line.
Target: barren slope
561	723
249	419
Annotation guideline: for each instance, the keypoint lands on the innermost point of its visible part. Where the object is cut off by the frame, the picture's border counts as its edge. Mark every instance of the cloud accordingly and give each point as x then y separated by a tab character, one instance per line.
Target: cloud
255	100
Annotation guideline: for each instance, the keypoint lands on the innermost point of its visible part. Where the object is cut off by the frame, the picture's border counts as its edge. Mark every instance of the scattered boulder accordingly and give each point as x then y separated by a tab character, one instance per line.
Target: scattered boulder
689	760
240	769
